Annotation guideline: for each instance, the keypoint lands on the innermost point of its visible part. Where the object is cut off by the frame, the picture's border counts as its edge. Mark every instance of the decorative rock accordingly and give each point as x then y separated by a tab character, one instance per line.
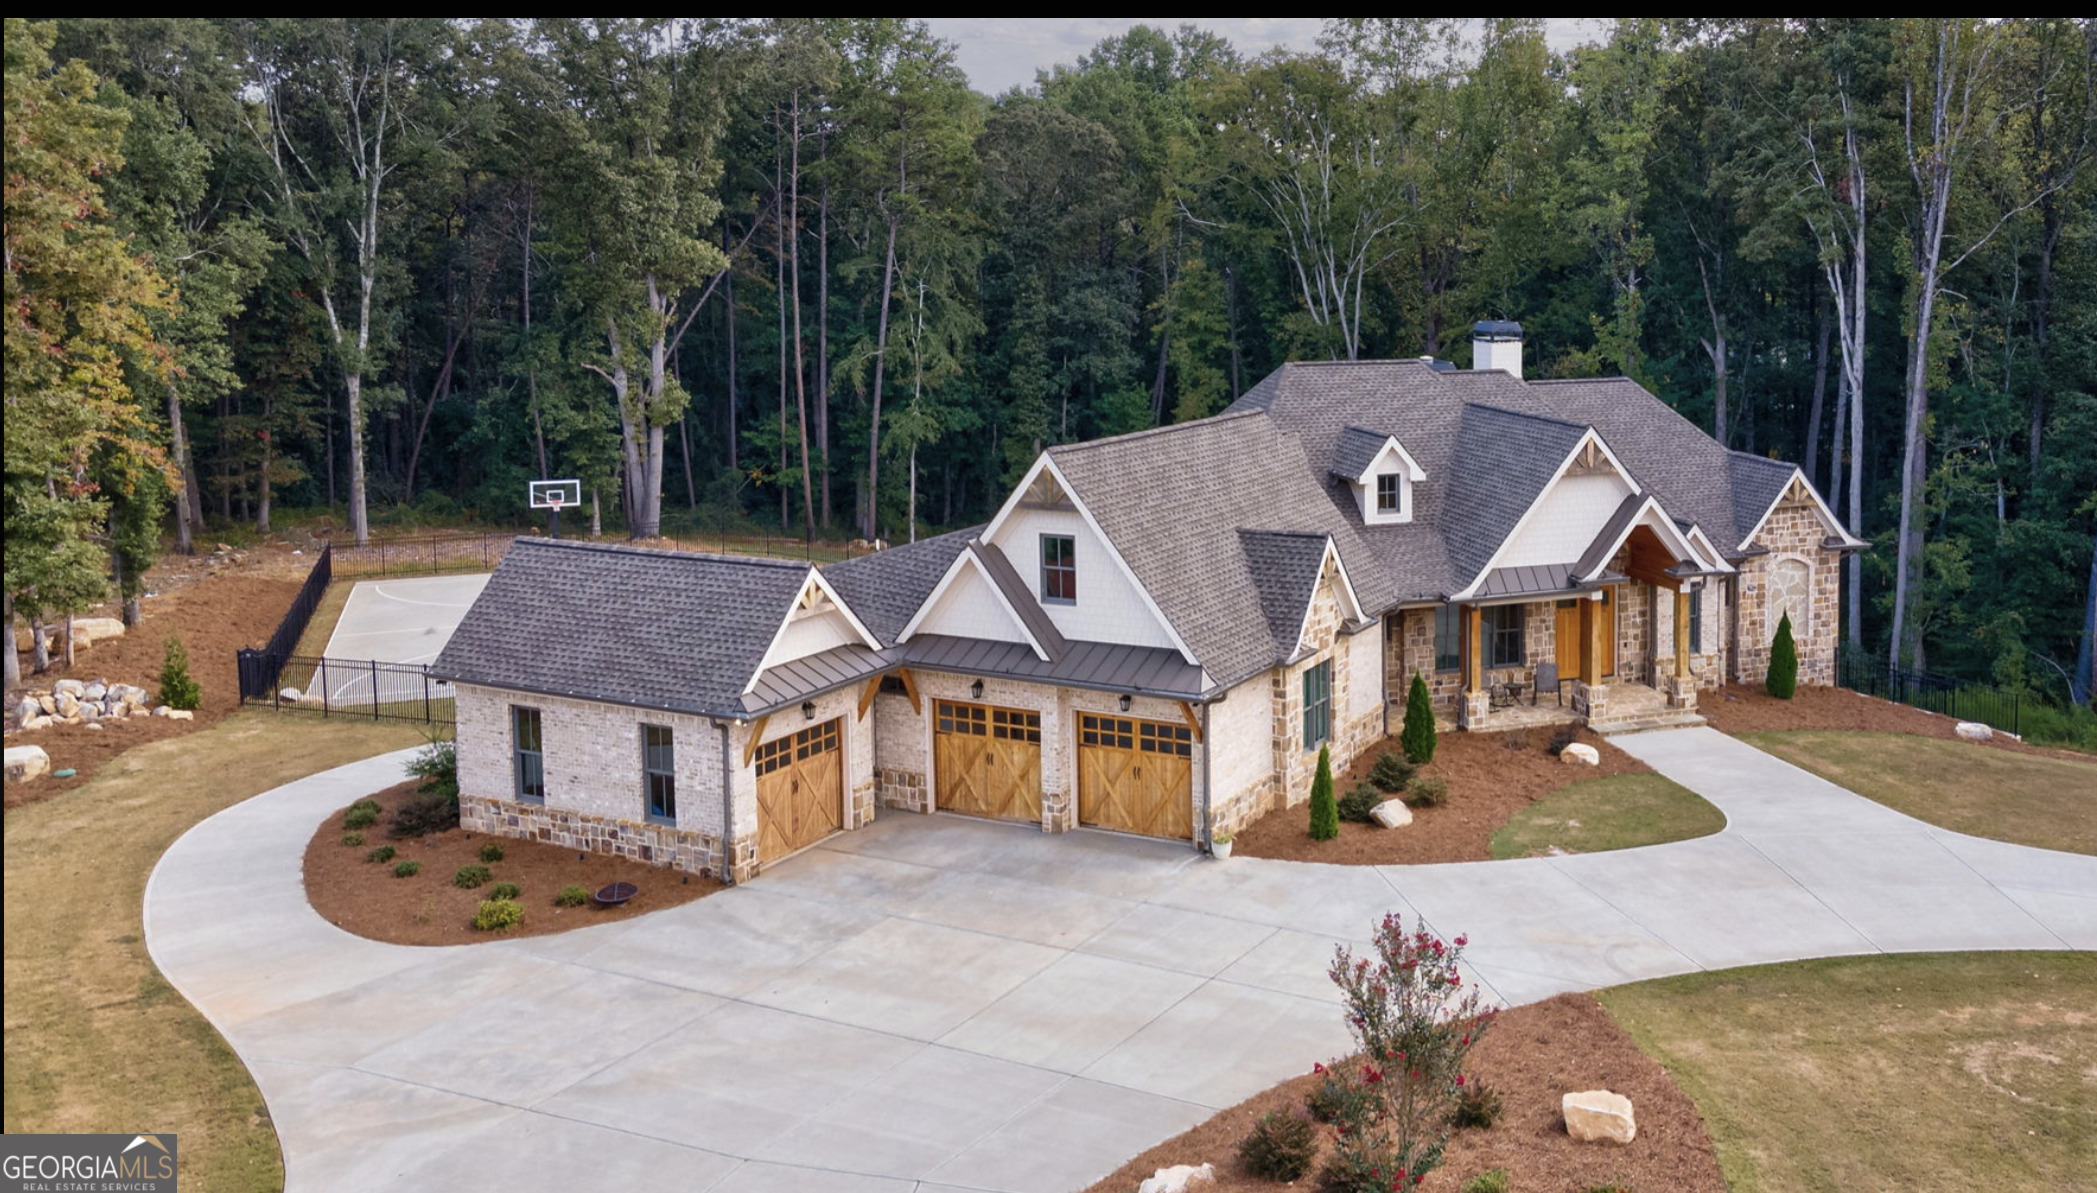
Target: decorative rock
48	703
35	722
98	690
1580	752
94	724
27	762
1392	813
29	709
68	705
180	714
291	694
1178	1179
68	687
90	711
1598	1116
1974	731
89	630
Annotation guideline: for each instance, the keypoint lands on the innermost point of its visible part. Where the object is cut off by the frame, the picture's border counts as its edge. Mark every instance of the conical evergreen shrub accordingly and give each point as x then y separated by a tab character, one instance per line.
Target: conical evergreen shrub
1418	736
1783	662
1325	810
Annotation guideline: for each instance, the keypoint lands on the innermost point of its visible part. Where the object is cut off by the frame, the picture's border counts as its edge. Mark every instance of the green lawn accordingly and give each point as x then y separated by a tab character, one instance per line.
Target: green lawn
2009	795
1618	812
1940	1072
96	1039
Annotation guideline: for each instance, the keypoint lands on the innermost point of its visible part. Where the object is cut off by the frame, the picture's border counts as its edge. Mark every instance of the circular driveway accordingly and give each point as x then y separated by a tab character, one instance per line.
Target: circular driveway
941	1003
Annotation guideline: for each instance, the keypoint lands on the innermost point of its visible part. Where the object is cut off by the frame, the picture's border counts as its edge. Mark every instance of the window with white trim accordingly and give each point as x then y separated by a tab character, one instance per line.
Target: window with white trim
1059	569
528	745
1317	705
1389	493
659	773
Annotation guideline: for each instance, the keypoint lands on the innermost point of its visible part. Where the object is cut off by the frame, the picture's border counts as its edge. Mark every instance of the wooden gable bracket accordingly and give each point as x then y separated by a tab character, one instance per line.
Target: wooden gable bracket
1193	722
866	698
757	730
910	690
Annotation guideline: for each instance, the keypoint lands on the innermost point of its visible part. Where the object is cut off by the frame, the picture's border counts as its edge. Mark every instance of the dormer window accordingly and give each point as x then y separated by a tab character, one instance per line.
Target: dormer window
1389	493
1059	569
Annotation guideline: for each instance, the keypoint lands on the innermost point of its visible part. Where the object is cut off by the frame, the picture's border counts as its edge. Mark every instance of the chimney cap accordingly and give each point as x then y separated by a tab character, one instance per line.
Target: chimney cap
1496	329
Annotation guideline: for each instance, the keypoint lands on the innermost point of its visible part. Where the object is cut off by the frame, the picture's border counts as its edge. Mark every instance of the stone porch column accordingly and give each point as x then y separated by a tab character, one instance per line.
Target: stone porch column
1471	710
1590	695
1682	686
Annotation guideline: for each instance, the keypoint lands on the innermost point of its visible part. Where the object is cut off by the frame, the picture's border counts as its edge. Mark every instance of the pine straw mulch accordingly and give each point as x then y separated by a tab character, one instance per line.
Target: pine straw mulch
1491	776
1749	708
366	899
1532	1056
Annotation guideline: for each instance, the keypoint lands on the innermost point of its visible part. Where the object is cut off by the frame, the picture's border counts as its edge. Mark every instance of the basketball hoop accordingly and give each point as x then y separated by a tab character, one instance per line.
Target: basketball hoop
553	497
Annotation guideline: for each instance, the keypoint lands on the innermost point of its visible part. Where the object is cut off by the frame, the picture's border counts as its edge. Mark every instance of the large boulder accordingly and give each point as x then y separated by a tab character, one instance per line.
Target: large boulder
1392	813
27	762
174	714
68	687
68	704
1179	1178
1974	731
1598	1116
1581	752
89	630
98	690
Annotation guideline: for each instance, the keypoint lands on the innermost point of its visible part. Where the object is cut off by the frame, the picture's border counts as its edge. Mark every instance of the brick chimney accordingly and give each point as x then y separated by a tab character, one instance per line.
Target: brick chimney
1497	344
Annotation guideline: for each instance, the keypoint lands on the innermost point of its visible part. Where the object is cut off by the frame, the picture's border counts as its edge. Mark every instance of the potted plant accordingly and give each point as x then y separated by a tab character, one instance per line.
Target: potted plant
1220	846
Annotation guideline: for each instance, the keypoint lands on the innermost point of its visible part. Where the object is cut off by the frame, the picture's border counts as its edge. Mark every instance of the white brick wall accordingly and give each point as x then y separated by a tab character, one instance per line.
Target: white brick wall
1241	749
1108	608
1572	513
857	740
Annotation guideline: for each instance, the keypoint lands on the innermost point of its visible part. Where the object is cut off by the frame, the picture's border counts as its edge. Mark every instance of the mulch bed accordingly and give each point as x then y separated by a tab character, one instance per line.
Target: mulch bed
365	898
1491	776
1532	1056
214	614
1747	708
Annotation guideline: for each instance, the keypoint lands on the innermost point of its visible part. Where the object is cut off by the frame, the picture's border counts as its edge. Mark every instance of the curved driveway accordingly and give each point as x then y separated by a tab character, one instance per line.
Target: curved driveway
939	1003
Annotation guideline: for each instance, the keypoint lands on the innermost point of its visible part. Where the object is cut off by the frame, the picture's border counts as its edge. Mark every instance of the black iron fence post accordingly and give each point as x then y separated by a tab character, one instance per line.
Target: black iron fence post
324	695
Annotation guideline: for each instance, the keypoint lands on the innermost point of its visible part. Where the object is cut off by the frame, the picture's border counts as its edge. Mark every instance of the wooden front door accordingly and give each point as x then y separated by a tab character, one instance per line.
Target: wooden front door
986	761
1567	639
1136	776
800	789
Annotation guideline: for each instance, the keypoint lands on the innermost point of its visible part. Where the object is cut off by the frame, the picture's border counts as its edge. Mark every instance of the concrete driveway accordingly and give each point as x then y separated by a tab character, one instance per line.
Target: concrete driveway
939	1003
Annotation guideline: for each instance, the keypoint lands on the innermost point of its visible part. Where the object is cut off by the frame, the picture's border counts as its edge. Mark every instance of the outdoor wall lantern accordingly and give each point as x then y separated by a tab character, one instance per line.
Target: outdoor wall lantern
808	710
1125	702
975	689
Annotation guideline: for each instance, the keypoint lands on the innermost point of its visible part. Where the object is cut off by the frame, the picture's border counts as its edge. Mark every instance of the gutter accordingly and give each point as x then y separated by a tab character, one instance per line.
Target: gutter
726	870
1208	788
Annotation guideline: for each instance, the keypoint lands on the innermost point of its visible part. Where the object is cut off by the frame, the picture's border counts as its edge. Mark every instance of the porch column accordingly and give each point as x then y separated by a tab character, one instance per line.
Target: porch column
1590	698
1477	702
1682	633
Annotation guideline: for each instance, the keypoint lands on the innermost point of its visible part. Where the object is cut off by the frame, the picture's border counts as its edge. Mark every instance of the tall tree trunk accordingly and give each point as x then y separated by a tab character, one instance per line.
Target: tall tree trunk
684	436
779	293
2051	226
531	367
808	510
733	433
262	485
913	505
596	515
873	450
12	681
822	410
2083	688
39	646
178	447
1715	349
439	389
1820	389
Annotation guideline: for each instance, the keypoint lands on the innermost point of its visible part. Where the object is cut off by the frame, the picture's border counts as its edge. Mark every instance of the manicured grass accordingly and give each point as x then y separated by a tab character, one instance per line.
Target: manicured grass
314	641
96	1039
1986	791
1951	1072
1618	812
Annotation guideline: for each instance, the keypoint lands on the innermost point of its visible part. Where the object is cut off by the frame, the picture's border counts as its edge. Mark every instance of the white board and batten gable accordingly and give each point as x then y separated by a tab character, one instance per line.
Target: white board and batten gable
1110	605
968	603
1572	509
818	621
1391	468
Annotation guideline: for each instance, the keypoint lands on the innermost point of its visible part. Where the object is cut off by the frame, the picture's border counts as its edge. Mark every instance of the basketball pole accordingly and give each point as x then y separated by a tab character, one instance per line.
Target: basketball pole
553	521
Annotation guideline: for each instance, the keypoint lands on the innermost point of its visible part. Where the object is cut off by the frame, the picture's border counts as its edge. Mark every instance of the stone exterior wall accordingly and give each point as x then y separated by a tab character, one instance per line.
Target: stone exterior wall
1294	765
1707	660
1636	650
594	791
902	754
1792	535
1409	648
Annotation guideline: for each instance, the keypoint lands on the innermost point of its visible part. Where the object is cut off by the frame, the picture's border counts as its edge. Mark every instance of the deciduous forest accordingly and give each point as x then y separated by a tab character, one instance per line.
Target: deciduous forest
797	275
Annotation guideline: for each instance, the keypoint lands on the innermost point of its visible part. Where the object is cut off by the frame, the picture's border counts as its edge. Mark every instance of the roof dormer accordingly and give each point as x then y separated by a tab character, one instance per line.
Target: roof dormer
1380	472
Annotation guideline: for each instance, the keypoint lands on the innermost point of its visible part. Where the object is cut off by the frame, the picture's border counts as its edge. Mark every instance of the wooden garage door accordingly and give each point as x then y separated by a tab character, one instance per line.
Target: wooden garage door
986	761
800	790
1136	776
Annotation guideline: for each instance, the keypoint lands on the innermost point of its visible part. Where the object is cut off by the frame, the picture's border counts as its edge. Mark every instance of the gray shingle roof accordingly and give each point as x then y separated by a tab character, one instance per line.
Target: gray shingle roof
1172	501
885	589
1504	460
1284	567
656	629
1757	483
1354	451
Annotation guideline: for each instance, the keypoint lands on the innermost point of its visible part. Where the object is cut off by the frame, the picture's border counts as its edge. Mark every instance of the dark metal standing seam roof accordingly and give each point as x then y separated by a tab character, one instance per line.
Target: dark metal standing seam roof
1106	666
999	568
673	630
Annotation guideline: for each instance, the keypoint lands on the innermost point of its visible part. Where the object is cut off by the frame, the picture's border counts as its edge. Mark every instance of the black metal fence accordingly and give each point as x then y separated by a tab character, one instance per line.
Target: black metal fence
436	555
365	688
1958	698
258	668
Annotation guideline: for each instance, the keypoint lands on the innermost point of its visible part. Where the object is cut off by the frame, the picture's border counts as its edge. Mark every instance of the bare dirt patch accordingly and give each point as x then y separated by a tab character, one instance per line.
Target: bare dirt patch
365	898
214	614
1744	708
1491	776
1532	1056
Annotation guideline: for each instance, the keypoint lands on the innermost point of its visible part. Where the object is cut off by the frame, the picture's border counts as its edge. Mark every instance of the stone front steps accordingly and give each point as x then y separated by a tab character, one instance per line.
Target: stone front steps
1639	724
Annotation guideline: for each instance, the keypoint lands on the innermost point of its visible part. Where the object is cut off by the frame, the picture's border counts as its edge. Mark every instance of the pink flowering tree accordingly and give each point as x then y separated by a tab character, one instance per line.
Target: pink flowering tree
1415	1021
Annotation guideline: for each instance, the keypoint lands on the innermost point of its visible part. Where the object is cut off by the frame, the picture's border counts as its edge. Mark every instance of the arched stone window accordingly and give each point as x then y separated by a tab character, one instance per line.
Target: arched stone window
1791	591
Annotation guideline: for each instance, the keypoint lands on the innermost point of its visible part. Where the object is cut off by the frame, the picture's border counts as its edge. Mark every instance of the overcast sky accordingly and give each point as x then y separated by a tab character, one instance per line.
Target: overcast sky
1002	52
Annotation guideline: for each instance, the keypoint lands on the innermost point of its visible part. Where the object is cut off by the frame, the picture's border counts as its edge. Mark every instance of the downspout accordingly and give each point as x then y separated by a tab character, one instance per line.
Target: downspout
1208	787
727	866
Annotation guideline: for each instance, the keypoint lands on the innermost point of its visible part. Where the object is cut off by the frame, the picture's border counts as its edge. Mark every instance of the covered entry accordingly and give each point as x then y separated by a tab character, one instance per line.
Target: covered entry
800	789
1136	776
1571	634
986	761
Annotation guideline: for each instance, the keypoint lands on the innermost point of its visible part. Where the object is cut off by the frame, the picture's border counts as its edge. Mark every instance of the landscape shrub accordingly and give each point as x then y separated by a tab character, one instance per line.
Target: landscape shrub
1280	1147
407	869
382	854
1414	1023
571	896
1393	772
421	815
353	839
1493	1181
468	877
437	765
177	688
359	817
1430	792
1477	1106
1325	813
1516	740
1334	1100
505	890
370	803
498	915
1359	805
1782	680
491	852
1418	736
1561	737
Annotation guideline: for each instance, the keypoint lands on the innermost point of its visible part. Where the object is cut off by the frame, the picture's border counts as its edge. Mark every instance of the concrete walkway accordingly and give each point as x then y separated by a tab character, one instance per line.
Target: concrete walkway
939	1003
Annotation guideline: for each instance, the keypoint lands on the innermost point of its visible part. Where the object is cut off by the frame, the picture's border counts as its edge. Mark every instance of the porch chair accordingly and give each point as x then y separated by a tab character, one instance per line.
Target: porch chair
1547	677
